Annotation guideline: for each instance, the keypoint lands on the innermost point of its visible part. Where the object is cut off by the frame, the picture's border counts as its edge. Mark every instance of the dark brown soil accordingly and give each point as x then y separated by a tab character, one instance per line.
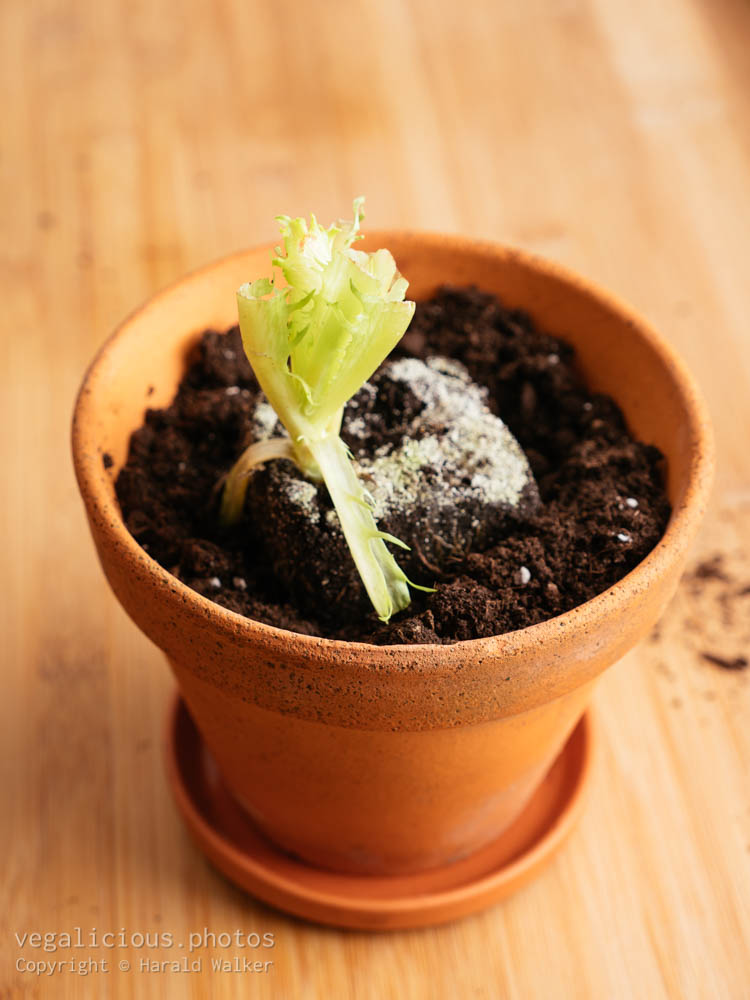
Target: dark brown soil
441	472
603	503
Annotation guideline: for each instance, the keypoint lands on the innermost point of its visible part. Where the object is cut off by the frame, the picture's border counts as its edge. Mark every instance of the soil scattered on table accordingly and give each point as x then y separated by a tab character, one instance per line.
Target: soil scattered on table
713	581
725	662
710	569
602	505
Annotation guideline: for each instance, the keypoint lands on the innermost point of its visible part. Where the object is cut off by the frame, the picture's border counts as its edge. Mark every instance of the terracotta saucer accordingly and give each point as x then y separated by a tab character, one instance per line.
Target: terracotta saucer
228	837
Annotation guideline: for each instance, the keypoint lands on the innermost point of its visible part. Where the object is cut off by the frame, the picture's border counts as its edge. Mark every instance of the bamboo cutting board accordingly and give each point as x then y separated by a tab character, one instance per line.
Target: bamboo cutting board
140	140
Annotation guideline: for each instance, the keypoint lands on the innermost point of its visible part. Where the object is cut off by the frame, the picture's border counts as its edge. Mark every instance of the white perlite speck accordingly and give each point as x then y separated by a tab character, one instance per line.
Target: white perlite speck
357	426
524	575
470	449
631	502
304	494
265	422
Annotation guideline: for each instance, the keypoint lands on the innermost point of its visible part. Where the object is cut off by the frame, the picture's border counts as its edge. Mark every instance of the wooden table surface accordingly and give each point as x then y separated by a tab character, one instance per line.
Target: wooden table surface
141	139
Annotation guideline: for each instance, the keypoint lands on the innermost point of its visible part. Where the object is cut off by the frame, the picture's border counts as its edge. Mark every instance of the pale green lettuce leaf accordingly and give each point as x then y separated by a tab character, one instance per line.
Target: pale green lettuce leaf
312	345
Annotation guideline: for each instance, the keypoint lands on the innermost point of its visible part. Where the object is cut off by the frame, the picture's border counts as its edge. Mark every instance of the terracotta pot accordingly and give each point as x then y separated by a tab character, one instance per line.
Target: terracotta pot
390	759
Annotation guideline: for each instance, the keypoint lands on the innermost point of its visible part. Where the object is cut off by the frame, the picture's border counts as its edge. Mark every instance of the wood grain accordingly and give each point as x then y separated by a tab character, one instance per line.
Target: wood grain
138	140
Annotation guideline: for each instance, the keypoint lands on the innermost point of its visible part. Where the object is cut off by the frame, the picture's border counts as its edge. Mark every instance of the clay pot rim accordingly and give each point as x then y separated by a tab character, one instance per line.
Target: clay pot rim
97	487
